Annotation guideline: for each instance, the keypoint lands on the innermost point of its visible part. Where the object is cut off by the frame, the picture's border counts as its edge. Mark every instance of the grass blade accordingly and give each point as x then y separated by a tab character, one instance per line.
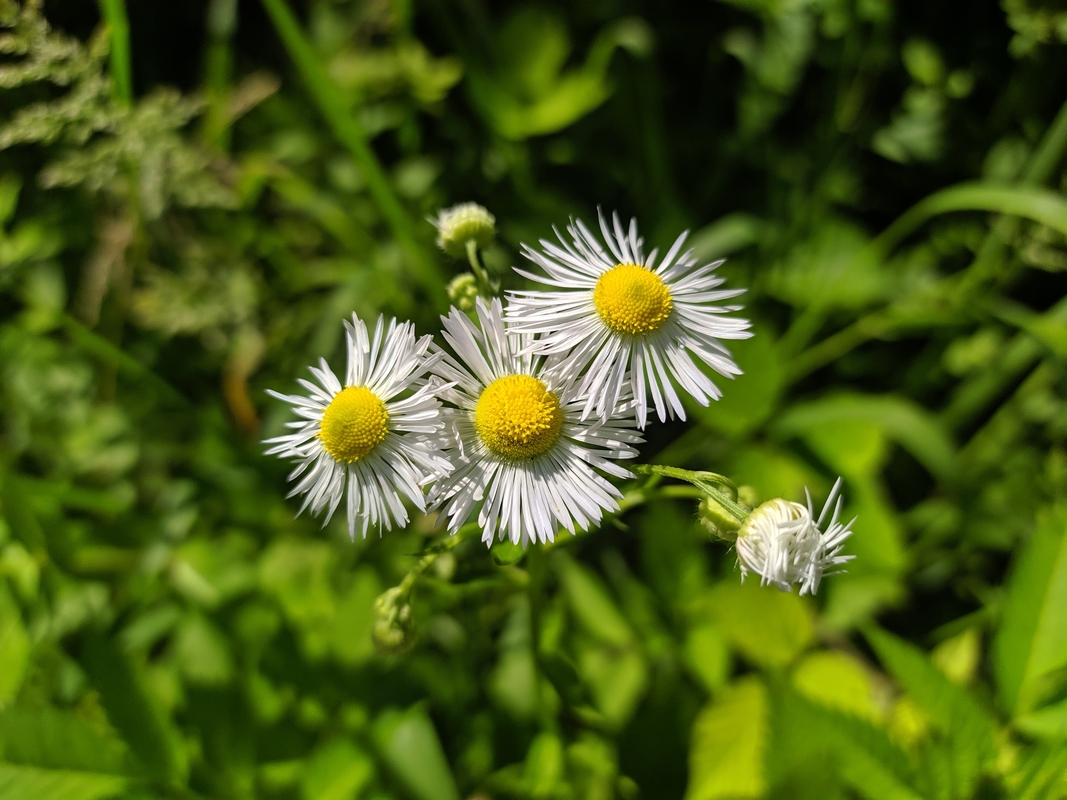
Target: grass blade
348	131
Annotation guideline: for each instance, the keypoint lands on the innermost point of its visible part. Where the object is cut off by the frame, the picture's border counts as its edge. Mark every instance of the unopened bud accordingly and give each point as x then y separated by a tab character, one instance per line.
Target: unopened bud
466	222
463	291
394	629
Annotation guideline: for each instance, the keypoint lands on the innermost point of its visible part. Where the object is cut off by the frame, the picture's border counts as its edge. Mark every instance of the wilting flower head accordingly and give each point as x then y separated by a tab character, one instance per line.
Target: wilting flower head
373	435
525	460
784	544
463	223
622	318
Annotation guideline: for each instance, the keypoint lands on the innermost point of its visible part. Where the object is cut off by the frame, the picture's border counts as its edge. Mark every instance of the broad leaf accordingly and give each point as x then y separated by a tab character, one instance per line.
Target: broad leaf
728	743
19	782
1031	642
766	626
409	745
902	420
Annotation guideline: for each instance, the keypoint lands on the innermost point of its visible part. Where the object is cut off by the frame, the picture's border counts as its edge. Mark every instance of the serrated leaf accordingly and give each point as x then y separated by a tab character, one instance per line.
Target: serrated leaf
1031	641
53	739
952	762
728	743
18	782
819	745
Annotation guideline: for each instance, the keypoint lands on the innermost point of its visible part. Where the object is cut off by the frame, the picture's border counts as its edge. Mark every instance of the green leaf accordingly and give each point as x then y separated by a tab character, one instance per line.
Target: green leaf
707	656
32	783
1031	642
409	745
617	680
201	652
837	681
132	710
53	739
727	745
727	235
767	626
902	420
591	604
14	646
338	771
1041	773
954	762
1038	204
1048	722
819	747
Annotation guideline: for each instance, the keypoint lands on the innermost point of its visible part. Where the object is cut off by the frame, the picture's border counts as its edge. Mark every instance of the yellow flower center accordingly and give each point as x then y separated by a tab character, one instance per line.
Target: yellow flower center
518	417
354	423
632	299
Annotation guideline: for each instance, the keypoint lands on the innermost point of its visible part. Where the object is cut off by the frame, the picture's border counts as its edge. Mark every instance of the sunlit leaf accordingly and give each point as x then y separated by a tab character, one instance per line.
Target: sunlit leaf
728	745
953	761
765	625
1031	642
32	783
898	418
338	771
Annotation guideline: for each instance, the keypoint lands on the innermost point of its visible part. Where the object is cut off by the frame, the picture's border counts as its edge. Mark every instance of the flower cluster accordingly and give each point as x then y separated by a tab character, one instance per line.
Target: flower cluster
526	415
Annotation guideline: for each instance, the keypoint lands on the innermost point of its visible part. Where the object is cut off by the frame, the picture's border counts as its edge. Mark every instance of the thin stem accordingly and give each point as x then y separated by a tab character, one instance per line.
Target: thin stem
118	29
486	287
697	478
709	484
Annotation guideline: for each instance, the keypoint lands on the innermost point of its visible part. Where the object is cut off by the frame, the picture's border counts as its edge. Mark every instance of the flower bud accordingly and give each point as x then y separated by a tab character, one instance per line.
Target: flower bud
463	291
466	222
394	628
784	544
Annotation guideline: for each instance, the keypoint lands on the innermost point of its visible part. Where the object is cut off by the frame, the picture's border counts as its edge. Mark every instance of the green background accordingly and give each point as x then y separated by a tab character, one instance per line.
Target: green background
193	197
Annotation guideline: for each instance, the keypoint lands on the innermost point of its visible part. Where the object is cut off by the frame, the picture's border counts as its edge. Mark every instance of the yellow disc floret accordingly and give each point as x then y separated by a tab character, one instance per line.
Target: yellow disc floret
518	417
632	299
354	423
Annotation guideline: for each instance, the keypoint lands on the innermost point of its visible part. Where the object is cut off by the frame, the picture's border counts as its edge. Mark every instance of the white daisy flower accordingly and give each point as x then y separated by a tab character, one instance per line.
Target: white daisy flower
521	447
373	435
784	544
619	312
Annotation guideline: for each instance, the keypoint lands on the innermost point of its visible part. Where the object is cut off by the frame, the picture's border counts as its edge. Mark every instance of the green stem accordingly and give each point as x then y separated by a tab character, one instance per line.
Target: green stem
218	71
118	28
486	288
1050	150
709	484
334	107
431	554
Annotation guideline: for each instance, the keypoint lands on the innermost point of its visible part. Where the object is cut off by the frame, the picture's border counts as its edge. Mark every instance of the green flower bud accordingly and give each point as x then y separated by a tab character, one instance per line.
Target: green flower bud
394	628
466	222
719	522
463	291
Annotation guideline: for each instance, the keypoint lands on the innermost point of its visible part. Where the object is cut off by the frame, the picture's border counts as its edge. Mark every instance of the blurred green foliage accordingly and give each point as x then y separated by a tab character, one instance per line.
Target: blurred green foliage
888	180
